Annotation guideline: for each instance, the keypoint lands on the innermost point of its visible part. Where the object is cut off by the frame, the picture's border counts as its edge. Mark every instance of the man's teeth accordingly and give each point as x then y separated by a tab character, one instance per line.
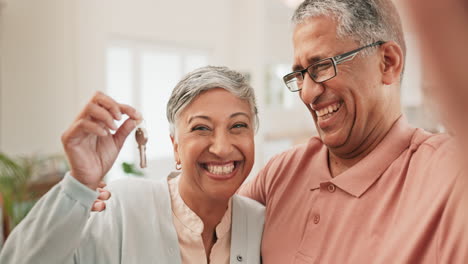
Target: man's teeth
327	110
221	169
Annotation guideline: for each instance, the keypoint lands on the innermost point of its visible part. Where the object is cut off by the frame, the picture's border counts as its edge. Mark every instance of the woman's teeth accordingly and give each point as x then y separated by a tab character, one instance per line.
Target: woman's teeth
328	110
220	169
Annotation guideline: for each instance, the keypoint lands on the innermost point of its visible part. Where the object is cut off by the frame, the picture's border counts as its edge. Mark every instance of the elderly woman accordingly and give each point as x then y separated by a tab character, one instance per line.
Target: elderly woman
192	216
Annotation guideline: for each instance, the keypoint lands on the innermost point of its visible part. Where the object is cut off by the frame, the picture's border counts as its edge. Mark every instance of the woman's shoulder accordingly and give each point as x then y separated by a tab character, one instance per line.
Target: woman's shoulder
248	205
132	185
132	192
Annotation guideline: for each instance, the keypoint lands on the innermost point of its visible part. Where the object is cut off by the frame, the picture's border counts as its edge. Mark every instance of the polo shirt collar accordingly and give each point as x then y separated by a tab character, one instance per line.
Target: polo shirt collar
359	178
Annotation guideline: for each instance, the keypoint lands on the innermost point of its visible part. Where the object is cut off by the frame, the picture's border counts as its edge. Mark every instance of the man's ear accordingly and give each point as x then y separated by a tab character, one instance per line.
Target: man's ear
392	62
175	146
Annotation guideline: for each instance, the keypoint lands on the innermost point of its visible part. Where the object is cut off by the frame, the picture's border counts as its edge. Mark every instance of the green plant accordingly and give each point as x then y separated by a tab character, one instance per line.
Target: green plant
14	178
130	168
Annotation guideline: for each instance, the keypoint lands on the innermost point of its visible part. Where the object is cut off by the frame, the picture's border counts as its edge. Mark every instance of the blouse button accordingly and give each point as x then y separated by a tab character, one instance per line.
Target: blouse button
239	258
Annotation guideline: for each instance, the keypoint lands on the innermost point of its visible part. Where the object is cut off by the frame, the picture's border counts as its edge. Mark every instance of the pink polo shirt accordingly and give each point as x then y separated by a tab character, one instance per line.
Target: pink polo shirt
388	208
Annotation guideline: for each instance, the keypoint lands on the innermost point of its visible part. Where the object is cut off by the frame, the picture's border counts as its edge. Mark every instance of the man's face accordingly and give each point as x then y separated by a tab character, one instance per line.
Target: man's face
347	108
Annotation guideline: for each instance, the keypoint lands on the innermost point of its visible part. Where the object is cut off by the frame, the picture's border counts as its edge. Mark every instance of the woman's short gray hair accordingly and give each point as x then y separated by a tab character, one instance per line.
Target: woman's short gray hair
206	78
366	21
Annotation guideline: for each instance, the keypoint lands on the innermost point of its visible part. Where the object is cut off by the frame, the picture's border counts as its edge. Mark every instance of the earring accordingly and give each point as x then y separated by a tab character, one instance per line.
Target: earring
178	165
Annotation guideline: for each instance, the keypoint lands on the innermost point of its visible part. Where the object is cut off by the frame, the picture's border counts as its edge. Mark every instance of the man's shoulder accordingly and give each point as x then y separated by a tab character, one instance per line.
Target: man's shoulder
435	154
435	143
307	149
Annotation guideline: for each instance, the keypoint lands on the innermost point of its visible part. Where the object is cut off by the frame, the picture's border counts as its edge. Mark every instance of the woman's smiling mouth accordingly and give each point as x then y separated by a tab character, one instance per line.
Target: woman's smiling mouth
221	171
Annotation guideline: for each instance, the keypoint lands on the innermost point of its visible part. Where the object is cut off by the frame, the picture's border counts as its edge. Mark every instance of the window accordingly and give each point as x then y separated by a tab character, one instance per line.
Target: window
143	76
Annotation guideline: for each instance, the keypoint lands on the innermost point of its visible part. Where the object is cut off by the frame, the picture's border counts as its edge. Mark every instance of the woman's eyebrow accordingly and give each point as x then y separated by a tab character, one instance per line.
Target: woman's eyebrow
209	119
238	114
198	116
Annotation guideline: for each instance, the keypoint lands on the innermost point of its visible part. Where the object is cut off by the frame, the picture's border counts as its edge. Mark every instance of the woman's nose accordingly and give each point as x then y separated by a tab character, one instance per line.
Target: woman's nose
310	90
221	145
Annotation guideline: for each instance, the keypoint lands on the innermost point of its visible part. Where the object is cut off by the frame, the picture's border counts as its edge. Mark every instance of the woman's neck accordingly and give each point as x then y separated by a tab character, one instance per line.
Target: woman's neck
211	212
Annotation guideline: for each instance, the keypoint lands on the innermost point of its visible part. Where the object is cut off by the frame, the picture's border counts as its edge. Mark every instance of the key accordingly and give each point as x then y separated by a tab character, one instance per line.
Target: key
141	138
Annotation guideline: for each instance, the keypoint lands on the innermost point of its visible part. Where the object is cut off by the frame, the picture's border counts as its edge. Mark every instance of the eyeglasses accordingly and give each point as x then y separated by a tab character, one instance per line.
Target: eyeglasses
323	70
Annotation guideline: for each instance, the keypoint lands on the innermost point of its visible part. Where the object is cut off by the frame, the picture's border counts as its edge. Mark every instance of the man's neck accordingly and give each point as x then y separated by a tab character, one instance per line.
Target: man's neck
340	162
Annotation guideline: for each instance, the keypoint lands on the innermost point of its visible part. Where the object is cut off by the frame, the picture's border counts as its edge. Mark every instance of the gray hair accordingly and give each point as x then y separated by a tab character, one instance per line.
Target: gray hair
365	21
204	79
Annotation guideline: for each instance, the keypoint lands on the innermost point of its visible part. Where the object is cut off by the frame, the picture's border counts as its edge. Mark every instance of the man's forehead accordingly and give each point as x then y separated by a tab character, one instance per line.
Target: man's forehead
315	39
311	44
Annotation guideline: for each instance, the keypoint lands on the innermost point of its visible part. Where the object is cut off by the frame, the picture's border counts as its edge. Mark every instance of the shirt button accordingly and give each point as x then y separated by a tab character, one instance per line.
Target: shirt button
331	188
239	258
316	219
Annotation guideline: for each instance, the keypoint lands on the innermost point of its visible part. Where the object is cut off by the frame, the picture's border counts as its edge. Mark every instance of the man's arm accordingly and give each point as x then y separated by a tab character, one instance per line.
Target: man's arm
255	188
453	235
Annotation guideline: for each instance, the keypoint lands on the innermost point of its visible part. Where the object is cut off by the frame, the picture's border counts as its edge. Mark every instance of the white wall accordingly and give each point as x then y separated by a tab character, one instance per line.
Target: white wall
36	76
53	54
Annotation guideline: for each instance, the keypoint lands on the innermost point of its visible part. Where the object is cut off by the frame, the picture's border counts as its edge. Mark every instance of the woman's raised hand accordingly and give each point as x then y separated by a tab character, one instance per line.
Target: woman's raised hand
89	145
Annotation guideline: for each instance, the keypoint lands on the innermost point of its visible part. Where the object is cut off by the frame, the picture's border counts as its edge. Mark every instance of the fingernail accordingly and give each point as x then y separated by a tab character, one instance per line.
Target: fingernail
119	116
139	115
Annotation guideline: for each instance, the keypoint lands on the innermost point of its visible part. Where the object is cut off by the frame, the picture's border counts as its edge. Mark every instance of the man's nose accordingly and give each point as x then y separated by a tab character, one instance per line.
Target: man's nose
310	90
221	145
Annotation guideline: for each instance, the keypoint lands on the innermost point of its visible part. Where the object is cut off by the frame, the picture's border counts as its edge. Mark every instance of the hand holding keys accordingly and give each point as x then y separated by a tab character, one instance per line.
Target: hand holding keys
141	137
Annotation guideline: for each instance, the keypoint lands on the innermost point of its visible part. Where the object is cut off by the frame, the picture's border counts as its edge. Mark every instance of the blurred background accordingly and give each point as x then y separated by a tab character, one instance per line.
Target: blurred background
54	54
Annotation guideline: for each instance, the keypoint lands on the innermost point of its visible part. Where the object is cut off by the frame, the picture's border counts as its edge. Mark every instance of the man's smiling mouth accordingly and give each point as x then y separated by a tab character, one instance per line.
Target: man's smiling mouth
328	111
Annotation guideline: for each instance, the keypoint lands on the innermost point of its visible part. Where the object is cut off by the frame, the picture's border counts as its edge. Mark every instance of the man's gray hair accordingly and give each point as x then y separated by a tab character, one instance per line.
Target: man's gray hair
206	78
365	21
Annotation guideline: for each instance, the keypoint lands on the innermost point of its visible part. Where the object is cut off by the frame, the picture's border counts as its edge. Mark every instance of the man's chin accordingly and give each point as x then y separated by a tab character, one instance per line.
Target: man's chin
332	141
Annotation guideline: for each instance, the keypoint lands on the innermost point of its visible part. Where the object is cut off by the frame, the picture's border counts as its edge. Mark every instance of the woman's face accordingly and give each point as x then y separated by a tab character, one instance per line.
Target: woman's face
215	144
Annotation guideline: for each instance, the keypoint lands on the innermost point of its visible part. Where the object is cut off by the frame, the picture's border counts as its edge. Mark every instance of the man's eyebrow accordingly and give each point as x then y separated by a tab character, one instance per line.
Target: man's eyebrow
310	61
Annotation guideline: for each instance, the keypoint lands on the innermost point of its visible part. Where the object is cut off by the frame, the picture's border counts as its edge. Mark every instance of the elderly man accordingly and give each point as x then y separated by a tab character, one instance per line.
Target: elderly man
370	188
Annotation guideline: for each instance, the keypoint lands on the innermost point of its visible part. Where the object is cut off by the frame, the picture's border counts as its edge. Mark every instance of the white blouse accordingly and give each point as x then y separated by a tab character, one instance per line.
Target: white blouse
189	228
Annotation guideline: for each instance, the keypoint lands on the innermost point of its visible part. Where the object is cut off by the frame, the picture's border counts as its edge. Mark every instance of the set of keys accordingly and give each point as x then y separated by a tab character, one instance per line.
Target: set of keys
141	137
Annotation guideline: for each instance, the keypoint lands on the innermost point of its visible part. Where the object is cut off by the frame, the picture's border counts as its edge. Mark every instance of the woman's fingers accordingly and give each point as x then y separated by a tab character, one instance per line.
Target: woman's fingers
104	111
108	103
80	128
100	114
124	130
131	112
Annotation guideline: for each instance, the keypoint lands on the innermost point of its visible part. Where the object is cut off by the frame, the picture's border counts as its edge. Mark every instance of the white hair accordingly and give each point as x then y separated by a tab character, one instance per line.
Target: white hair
203	79
365	21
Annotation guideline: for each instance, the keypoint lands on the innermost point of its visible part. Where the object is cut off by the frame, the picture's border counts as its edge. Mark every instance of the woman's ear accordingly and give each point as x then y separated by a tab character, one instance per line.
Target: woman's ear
175	146
392	62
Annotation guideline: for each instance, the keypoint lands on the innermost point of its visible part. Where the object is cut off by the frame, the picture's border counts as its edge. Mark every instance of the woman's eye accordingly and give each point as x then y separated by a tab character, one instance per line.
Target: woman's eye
240	125
200	128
